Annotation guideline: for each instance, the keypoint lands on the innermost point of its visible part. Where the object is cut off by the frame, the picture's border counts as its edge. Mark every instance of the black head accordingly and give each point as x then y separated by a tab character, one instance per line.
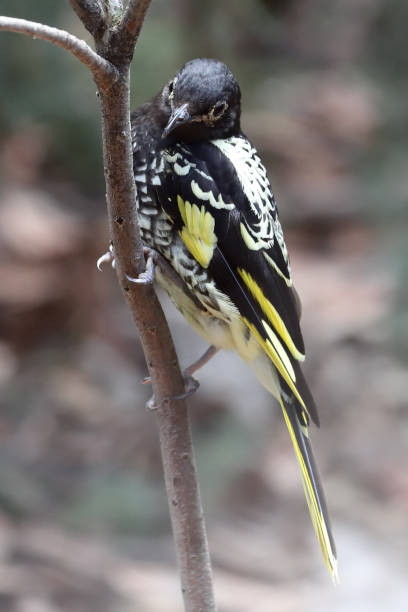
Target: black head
204	102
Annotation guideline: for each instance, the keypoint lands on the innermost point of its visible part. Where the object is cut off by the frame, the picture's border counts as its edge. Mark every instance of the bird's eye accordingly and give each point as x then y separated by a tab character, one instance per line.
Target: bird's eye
218	109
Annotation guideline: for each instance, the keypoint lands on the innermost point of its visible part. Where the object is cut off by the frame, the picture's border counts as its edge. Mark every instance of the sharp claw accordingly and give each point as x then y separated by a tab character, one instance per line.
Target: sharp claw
143	279
107	257
191	386
146	277
151	404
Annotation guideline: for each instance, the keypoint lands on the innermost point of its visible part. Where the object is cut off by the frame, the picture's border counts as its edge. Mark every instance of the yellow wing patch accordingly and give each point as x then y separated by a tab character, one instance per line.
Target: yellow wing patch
271	313
198	231
318	521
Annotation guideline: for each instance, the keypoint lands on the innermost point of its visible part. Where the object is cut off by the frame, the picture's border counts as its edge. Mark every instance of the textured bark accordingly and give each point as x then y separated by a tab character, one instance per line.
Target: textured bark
132	23
110	67
93	15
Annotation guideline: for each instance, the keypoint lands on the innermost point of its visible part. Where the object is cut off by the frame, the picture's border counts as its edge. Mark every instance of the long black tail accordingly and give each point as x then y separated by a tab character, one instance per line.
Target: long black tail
311	484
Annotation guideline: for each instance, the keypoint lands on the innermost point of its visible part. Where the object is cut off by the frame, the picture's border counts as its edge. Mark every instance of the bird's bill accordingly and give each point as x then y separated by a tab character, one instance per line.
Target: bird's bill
179	116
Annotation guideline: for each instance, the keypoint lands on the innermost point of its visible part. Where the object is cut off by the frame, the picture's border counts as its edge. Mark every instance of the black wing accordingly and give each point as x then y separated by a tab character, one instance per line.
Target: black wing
219	198
232	229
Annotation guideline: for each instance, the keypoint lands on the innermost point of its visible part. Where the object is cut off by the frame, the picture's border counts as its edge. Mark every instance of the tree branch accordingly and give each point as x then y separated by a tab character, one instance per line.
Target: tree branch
92	13
172	415
103	71
132	21
126	28
115	8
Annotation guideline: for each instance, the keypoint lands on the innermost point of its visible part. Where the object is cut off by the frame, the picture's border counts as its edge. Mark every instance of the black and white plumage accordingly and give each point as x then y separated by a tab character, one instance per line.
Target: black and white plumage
206	205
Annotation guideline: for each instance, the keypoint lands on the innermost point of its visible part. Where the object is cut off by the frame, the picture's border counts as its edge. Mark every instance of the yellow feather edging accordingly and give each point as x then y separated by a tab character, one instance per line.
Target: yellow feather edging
273	355
314	510
280	350
270	311
273	265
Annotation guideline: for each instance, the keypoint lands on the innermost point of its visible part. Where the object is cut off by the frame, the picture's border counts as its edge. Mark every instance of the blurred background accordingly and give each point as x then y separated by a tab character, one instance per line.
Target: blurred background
84	522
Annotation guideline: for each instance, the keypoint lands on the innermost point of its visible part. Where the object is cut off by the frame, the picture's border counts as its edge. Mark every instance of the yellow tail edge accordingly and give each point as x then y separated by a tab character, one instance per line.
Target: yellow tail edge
309	479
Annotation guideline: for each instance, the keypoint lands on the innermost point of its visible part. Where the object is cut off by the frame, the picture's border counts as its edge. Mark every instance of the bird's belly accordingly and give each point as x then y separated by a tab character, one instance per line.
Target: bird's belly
213	319
209	312
209	324
227	334
222	326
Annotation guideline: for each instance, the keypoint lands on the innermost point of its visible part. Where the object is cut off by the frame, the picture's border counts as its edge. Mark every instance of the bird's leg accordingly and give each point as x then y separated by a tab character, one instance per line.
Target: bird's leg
201	361
153	259
191	384
193	367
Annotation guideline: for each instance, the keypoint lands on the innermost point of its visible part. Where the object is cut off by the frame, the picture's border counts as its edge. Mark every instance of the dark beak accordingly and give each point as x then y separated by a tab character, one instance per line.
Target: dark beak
178	117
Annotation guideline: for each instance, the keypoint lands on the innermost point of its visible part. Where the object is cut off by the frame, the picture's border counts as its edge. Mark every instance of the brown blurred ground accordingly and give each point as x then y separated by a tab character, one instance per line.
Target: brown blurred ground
83	516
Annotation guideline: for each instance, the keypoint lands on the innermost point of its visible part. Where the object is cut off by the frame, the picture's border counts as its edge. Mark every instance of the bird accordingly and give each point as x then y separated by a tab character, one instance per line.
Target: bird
206	208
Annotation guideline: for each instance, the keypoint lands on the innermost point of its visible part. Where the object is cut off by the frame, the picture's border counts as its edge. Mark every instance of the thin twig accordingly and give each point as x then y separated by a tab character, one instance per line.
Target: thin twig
176	443
92	13
133	18
104	72
124	37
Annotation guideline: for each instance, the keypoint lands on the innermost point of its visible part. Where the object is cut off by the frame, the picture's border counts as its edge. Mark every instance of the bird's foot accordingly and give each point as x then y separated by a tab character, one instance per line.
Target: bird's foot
192	369
190	386
146	277
107	257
